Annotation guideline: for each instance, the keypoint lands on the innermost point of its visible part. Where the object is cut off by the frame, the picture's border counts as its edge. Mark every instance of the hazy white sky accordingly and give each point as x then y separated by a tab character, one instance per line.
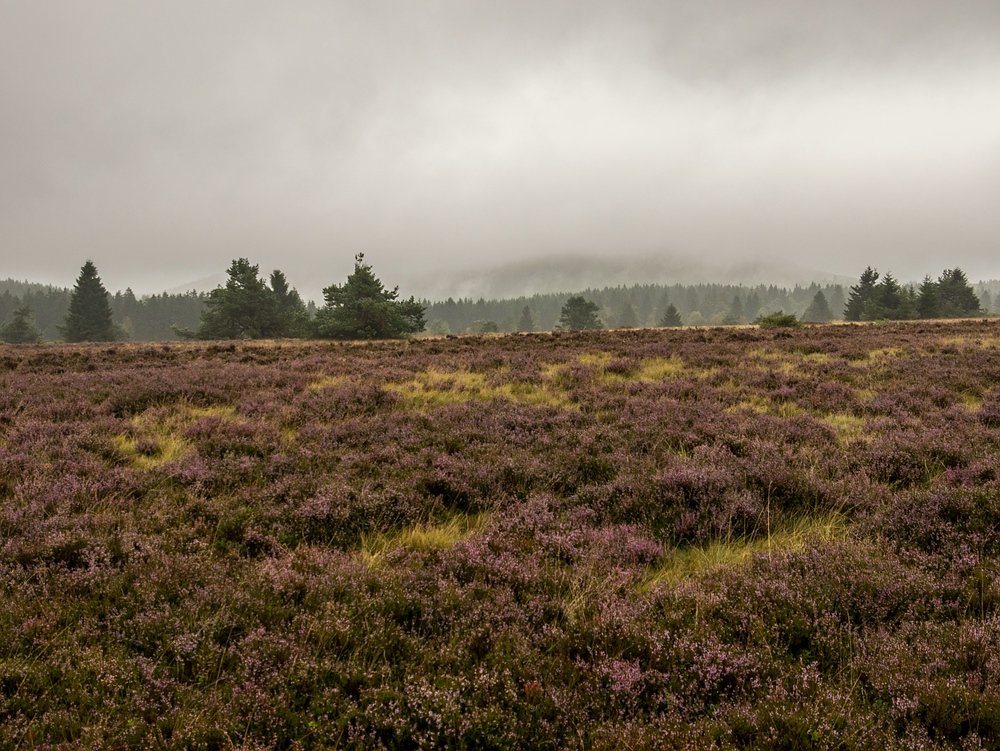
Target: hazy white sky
457	143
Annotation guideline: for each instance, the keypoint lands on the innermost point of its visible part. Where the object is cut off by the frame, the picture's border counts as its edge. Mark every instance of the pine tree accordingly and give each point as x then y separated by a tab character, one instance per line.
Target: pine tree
362	308
20	329
886	301
579	314
671	317
818	310
527	321
89	316
861	295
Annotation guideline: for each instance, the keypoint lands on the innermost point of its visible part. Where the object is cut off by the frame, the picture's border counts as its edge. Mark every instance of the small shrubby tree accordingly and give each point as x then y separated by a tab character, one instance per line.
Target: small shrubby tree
89	316
579	314
20	329
362	308
671	317
778	320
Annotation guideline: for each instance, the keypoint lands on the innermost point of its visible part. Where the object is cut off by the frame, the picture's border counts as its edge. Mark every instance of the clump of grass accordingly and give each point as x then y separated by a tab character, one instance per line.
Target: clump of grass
848	427
147	453
427	536
689	562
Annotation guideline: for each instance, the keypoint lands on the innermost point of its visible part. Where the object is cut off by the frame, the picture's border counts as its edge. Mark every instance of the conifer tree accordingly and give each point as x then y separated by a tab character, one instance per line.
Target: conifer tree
89	316
862	295
362	308
579	314
956	295
20	329
527	321
818	310
292	318
928	302
671	317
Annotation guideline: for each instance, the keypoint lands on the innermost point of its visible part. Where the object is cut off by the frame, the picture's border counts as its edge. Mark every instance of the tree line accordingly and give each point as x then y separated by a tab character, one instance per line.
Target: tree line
250	306
246	307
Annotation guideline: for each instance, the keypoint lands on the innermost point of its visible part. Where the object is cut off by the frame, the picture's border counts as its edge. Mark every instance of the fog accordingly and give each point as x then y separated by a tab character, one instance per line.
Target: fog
496	148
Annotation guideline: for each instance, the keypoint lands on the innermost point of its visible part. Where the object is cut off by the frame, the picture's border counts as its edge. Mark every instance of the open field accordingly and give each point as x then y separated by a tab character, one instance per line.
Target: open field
725	538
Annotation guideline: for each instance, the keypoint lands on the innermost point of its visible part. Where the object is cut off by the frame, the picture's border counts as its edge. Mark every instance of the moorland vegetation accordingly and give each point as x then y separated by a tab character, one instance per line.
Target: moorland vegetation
734	538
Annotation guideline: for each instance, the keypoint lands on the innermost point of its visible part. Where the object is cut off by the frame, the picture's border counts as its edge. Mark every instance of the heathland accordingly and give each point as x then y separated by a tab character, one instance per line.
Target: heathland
724	537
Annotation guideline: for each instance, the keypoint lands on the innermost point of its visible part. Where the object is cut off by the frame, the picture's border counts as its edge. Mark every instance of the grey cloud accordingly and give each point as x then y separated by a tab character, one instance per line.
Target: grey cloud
446	139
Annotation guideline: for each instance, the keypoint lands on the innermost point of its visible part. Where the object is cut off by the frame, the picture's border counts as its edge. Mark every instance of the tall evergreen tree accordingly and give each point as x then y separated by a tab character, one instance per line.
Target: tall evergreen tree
928	302
527	321
243	309
579	314
958	299
89	316
861	295
20	329
362	308
818	310
292	319
886	301
671	317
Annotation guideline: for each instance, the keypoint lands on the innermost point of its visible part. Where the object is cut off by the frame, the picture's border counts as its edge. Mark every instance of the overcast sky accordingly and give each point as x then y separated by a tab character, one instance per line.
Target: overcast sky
460	142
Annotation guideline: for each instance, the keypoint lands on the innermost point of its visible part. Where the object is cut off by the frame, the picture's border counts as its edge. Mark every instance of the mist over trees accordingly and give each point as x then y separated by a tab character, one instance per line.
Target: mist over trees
637	305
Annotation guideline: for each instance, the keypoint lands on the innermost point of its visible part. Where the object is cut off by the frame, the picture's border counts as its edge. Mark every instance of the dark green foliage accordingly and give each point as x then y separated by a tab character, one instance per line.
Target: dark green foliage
292	317
956	296
862	296
671	317
89	318
527	321
20	329
362	308
819	310
779	320
579	314
246	308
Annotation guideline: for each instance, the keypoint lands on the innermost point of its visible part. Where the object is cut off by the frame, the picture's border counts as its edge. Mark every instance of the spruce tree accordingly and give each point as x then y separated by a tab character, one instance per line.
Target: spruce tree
292	319
20	329
671	317
958	299
928	301
862	295
527	321
818	310
244	309
89	316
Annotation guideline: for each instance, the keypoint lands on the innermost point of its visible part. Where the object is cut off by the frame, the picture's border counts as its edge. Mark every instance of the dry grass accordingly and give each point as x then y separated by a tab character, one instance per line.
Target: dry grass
697	560
434	388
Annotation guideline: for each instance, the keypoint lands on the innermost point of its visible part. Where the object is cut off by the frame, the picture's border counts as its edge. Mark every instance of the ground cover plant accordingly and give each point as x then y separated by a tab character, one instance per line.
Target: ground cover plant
730	538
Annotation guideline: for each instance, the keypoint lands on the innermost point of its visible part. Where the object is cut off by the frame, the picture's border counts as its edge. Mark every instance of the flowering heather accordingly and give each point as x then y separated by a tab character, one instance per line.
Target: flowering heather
727	538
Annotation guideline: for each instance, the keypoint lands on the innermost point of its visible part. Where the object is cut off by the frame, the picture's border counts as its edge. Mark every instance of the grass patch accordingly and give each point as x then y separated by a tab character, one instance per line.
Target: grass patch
690	562
763	406
147	452
849	427
326	382
429	536
971	402
434	388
